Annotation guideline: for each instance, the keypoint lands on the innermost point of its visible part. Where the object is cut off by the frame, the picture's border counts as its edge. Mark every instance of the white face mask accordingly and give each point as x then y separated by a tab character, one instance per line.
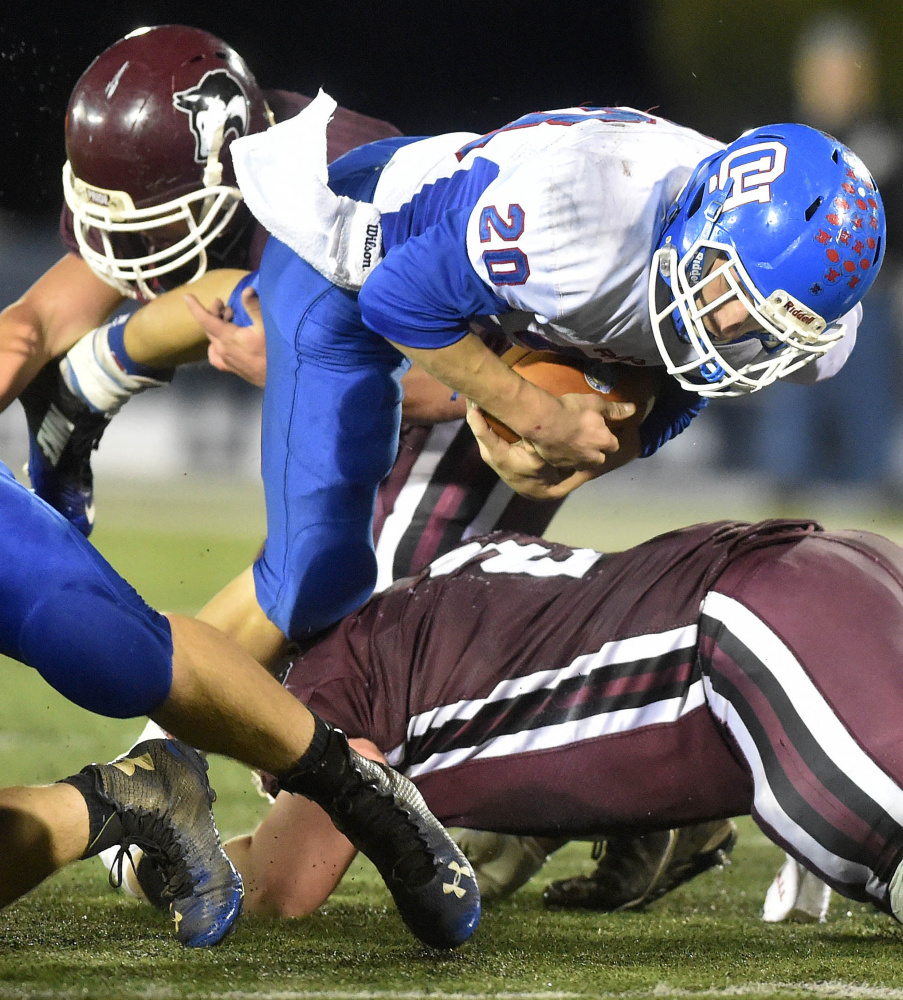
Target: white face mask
184	227
776	335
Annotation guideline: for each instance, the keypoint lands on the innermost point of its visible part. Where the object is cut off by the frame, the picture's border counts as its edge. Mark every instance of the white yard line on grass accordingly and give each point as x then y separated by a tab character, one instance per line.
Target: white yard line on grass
663	991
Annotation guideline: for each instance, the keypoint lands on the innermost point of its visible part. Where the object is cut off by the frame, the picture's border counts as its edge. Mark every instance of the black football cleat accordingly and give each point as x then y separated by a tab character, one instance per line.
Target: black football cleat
385	817
635	871
62	432
161	796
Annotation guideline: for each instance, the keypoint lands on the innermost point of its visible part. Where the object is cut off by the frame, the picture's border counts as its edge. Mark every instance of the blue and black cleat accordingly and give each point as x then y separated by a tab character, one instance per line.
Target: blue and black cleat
63	431
385	817
162	798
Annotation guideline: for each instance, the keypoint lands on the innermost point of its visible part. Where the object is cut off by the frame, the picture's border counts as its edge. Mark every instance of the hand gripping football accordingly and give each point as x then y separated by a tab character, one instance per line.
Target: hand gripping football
559	374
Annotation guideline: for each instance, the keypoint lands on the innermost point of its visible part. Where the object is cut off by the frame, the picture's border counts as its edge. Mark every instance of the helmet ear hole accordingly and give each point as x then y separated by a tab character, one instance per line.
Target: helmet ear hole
813	208
696	201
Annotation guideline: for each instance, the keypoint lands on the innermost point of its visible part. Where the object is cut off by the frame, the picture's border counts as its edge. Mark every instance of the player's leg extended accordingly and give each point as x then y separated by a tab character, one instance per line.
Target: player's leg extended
66	612
800	653
331	415
41	830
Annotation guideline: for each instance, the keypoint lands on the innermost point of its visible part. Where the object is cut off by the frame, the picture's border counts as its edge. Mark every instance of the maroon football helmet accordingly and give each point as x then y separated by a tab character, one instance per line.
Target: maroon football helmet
148	178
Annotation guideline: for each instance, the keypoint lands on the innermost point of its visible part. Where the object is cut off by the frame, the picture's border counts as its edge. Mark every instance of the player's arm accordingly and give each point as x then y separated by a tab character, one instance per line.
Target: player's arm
237	344
164	333
427	400
421	298
568	431
66	302
520	465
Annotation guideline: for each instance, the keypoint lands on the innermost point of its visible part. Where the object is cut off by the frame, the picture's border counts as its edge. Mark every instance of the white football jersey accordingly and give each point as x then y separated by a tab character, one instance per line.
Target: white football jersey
557	216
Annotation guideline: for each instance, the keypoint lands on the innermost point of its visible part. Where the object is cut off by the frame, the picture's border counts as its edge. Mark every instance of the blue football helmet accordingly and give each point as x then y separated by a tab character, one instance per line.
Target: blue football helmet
787	220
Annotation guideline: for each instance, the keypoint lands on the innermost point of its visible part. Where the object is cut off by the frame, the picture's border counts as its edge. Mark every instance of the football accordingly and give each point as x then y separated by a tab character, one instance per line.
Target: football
560	374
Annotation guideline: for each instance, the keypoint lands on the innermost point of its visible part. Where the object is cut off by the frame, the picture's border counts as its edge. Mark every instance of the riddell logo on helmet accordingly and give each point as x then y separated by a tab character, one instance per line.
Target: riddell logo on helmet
98	197
218	100
799	313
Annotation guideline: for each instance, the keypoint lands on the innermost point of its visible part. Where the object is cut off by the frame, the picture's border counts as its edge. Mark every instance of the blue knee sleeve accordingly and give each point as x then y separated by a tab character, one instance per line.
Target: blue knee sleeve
98	654
66	612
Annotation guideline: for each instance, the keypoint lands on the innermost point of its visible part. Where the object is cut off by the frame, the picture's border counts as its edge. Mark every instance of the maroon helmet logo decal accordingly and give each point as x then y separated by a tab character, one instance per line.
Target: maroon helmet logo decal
217	100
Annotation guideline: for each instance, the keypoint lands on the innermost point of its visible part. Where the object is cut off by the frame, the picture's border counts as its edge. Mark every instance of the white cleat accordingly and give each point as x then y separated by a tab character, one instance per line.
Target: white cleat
797	896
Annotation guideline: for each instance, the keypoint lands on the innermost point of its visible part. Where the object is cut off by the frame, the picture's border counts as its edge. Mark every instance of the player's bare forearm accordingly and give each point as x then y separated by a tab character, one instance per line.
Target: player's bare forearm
164	334
429	401
64	304
570	431
469	368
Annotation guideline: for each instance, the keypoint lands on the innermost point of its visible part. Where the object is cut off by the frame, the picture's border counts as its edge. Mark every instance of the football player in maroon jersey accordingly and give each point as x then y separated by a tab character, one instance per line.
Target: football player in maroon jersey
532	688
151	202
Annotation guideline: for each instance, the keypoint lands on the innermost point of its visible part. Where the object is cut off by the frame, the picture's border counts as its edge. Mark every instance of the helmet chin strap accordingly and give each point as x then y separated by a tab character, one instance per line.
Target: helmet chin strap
213	170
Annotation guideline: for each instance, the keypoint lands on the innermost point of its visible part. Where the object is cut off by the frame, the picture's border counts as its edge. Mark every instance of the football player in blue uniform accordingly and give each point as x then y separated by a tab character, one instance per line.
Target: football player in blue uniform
603	231
68	614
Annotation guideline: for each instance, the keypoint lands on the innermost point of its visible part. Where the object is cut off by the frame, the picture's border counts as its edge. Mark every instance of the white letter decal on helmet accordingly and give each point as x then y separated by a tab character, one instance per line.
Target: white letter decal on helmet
752	178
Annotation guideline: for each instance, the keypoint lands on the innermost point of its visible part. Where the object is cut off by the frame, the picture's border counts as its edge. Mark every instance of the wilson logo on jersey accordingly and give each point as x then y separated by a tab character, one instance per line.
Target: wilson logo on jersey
751	175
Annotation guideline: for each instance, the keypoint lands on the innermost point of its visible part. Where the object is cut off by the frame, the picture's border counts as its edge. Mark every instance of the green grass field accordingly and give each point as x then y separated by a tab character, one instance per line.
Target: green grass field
75	937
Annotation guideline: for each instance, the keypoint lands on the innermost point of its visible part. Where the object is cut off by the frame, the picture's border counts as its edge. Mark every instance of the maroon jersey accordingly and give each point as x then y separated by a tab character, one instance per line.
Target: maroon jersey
532	688
509	640
439	493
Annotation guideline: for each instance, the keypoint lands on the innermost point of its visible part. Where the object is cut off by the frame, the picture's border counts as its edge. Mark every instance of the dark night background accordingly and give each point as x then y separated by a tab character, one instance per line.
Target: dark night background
431	66
428	68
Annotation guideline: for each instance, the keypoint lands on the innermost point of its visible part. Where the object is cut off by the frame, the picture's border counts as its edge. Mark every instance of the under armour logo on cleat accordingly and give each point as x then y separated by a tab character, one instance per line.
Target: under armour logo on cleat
455	886
128	765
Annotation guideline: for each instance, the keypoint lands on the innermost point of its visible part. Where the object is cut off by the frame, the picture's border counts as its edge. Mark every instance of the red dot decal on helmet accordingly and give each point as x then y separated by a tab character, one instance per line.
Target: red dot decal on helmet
865	263
849	265
833	256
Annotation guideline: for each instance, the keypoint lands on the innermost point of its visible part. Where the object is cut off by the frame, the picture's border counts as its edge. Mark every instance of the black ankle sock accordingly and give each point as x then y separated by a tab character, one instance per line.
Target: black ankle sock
318	744
312	757
105	827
